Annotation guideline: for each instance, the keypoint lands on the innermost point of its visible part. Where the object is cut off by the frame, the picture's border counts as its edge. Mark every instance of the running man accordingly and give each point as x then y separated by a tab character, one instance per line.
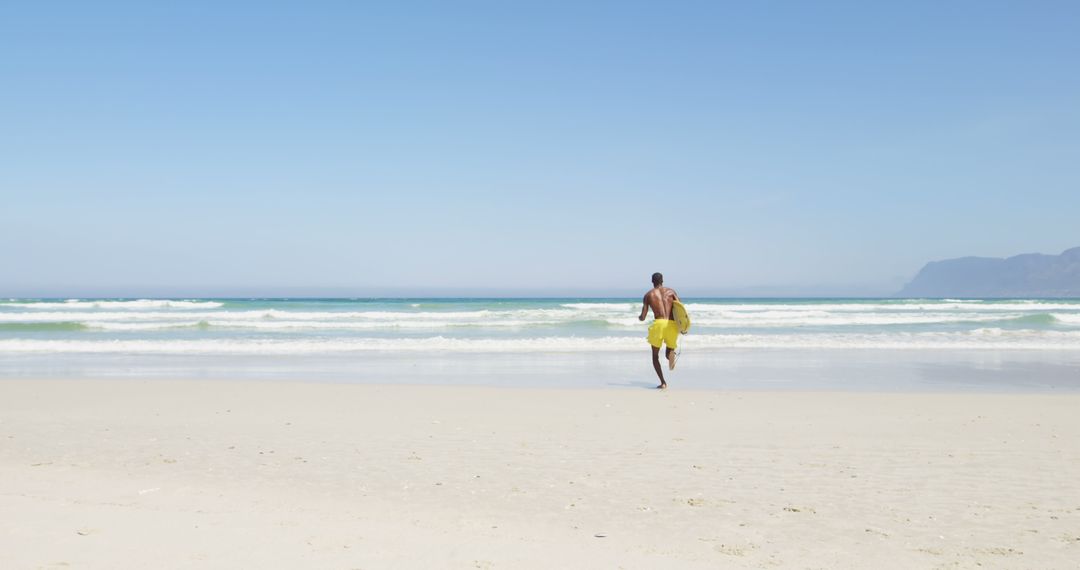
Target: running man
664	330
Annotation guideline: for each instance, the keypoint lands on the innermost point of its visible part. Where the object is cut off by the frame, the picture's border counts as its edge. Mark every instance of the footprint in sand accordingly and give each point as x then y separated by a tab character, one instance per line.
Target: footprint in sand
735	549
999	551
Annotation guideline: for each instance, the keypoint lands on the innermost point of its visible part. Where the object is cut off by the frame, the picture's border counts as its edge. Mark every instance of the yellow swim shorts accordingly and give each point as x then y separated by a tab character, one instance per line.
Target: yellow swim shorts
664	331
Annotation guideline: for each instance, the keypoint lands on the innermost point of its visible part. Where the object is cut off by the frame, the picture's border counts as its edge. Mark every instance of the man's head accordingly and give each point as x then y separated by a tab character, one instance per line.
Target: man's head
657	279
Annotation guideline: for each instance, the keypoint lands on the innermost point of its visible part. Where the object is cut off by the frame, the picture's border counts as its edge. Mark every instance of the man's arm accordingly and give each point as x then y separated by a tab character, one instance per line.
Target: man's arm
644	308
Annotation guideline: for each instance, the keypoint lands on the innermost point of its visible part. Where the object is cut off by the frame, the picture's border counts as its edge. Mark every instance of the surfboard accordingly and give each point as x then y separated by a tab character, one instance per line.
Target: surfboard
682	318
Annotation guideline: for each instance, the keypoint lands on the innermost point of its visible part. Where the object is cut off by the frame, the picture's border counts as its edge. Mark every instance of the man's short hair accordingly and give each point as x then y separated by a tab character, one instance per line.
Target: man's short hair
657	278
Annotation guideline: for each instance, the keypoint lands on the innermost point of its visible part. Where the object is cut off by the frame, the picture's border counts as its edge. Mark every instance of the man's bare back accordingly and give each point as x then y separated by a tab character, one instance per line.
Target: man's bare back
660	300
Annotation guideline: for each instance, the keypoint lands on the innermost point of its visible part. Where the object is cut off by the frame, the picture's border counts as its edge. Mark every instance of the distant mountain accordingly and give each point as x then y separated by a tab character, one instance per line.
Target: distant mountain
1028	275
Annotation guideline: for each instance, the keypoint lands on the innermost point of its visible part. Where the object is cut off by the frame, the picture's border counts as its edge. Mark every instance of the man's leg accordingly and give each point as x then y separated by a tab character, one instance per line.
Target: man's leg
656	366
671	340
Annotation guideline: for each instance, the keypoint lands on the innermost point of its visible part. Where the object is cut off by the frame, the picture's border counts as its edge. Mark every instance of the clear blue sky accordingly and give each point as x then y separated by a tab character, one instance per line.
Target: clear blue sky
383	147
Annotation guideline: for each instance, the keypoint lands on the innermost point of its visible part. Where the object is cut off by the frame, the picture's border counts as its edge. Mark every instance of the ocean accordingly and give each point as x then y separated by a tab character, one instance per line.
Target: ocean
373	339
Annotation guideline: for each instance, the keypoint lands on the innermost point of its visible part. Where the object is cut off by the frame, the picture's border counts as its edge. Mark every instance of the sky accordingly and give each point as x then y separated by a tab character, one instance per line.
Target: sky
565	148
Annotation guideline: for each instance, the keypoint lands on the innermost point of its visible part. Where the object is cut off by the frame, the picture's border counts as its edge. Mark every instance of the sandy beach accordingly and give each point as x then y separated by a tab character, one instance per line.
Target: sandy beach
231	474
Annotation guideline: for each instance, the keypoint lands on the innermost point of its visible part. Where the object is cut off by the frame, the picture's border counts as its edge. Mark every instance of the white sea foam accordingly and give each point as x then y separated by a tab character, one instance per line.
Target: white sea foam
903	307
752	315
137	304
1068	318
704	316
285	325
212	327
978	339
602	306
270	319
254	315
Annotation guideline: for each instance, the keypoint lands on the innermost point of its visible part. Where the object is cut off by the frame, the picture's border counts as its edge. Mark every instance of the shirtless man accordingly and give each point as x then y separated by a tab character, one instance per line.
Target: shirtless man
664	330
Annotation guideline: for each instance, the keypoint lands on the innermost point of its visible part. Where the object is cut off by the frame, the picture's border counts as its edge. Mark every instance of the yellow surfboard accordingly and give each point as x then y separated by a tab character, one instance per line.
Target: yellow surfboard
682	318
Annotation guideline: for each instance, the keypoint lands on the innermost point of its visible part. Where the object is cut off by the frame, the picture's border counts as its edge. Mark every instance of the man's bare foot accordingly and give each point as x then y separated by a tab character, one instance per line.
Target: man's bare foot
662	386
671	360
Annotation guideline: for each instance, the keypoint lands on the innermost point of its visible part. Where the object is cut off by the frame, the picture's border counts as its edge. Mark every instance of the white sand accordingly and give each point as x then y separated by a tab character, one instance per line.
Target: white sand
167	474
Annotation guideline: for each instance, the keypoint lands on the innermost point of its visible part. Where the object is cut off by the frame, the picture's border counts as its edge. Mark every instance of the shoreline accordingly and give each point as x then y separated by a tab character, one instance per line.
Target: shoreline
123	473
854	370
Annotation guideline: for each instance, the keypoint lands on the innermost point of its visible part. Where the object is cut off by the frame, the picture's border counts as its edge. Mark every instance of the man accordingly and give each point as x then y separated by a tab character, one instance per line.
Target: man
664	330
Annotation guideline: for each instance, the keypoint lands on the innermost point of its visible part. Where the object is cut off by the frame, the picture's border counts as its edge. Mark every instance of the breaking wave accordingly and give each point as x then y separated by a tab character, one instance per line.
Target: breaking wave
977	339
136	304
